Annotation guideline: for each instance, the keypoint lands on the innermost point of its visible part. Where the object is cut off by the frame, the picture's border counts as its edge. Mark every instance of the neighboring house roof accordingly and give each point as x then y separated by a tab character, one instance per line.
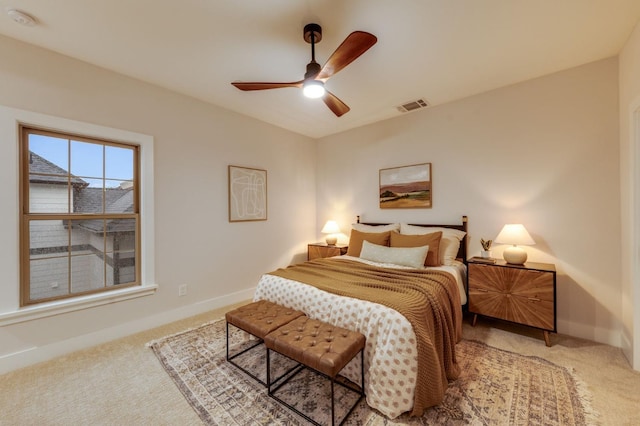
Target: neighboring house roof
87	199
113	225
118	200
38	164
122	200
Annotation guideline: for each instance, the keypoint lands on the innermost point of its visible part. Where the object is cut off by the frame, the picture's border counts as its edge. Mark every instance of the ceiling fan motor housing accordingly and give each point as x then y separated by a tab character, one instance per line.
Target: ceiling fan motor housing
313	69
312	29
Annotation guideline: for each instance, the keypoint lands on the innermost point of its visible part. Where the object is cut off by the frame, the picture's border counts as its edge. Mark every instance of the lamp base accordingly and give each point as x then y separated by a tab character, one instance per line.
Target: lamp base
515	255
331	240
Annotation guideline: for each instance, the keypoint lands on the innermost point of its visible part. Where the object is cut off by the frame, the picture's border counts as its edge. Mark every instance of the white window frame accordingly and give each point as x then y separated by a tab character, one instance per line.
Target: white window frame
10	310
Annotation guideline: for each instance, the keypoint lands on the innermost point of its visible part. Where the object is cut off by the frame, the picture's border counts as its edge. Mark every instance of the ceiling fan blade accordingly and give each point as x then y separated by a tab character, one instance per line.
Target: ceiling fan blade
336	105
265	86
351	48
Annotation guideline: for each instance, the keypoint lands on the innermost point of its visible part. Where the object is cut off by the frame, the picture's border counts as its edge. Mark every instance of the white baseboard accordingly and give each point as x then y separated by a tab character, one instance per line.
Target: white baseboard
627	349
34	355
583	331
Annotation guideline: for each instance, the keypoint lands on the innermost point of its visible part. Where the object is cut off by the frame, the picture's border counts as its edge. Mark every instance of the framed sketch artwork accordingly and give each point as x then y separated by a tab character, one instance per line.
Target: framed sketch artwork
407	187
247	194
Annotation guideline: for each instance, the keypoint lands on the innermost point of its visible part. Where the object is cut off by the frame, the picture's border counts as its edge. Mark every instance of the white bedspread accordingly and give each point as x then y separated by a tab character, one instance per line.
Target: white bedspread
391	360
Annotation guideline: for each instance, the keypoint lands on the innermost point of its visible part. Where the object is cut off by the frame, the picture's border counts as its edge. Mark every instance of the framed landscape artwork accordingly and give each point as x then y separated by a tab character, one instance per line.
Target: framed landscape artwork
247	194
407	187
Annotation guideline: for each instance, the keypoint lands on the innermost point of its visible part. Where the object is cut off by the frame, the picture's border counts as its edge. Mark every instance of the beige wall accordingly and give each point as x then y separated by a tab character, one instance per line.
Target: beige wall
195	243
630	192
543	153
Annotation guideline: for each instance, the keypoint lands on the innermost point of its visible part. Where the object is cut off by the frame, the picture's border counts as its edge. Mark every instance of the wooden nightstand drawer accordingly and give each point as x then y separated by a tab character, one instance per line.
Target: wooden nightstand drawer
319	250
524	294
522	282
533	312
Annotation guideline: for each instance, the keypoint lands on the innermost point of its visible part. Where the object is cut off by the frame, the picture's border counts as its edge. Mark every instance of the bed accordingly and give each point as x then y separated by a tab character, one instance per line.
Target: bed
404	296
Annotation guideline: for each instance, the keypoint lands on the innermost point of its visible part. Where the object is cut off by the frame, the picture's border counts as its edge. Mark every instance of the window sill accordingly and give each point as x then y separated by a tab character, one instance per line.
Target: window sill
44	310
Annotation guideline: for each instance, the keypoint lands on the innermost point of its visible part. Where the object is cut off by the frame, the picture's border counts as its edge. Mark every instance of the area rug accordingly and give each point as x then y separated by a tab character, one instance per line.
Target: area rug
496	387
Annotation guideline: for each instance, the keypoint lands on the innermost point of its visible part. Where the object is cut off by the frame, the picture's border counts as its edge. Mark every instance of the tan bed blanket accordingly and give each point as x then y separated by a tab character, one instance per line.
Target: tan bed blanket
428	299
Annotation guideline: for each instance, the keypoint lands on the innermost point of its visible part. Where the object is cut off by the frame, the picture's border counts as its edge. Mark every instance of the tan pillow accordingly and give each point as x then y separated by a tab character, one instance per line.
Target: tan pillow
357	237
432	240
449	245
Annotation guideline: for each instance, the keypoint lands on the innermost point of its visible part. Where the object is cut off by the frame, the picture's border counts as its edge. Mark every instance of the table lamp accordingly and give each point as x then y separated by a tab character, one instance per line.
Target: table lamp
331	228
516	235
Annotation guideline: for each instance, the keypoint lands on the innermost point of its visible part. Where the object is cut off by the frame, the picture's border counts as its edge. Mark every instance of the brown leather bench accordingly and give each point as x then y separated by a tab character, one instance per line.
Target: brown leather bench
322	347
258	319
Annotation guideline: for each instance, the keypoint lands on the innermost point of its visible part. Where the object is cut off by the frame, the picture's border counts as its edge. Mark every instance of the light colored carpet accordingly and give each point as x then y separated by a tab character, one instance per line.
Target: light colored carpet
495	387
122	382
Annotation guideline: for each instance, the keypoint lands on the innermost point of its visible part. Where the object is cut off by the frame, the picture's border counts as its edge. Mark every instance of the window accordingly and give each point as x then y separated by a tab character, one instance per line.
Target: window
80	215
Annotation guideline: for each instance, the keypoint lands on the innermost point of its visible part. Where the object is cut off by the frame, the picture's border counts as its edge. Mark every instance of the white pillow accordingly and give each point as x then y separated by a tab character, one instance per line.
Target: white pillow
449	244
405	256
449	250
375	228
420	230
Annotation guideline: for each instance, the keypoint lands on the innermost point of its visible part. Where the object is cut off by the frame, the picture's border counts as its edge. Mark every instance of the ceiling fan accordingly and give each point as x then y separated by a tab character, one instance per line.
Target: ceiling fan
312	85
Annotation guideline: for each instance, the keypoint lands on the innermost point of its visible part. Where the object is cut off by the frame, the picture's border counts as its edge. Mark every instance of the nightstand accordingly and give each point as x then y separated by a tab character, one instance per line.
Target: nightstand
523	294
317	250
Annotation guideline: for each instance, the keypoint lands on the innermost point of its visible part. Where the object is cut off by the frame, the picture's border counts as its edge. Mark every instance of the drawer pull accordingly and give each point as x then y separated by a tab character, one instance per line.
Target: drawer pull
484	290
534	299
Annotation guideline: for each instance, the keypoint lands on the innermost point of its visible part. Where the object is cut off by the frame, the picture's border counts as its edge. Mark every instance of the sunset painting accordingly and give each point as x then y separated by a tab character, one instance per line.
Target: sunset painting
407	187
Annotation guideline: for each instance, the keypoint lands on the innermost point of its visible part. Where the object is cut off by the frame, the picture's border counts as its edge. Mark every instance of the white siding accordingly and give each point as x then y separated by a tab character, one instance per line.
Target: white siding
48	198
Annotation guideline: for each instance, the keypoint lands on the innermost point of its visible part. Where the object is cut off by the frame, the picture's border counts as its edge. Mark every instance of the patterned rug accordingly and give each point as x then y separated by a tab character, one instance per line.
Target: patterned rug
496	387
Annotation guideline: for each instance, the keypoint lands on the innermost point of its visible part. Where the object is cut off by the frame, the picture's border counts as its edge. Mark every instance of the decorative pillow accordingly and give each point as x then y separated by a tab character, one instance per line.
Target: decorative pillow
357	237
432	240
449	250
375	228
404	256
449	244
421	230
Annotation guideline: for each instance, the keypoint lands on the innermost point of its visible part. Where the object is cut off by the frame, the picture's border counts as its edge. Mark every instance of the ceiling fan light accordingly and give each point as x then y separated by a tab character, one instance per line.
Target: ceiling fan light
313	89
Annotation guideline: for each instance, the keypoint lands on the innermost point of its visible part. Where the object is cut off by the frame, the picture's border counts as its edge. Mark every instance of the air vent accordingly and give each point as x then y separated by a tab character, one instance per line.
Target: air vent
413	105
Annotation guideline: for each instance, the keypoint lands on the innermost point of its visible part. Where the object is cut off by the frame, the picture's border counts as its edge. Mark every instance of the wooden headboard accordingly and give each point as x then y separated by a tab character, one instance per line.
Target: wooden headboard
462	251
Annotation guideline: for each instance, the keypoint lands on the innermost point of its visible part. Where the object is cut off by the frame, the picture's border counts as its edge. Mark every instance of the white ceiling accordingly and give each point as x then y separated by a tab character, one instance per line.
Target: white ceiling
439	50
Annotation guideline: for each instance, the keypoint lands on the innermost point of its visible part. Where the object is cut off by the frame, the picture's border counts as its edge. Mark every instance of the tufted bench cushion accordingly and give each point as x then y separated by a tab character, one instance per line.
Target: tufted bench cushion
322	347
316	344
258	319
261	318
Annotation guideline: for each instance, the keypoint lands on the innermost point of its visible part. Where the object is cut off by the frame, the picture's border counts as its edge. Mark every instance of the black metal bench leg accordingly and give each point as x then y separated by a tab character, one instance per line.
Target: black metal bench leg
231	358
362	371
227	341
268	371
279	382
333	405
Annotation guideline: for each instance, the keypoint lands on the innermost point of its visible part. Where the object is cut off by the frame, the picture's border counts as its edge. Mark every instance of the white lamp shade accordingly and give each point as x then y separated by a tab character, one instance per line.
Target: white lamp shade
514	234
331	228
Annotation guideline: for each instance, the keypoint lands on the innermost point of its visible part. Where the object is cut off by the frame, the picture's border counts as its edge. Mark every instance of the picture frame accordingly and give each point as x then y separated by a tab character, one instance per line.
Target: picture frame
247	194
406	187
